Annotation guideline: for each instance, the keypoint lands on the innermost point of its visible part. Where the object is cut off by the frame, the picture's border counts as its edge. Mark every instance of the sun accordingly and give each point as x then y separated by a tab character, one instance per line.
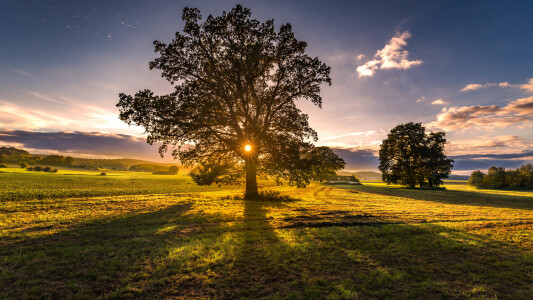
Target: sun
247	148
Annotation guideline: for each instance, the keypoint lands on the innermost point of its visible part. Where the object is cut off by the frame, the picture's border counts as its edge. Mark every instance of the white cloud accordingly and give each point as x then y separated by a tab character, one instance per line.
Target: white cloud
357	133
476	86
528	86
421	99
360	56
46	98
22	72
439	102
390	57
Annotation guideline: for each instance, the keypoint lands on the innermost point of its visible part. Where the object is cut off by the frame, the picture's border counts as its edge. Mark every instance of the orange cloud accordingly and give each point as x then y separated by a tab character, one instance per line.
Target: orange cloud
518	112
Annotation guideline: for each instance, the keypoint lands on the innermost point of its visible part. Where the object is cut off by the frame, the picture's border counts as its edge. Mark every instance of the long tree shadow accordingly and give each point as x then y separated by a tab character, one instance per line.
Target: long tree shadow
361	260
450	196
97	258
173	252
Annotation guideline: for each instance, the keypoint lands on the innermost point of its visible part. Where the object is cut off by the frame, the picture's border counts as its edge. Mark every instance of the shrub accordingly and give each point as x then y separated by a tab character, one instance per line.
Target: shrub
38	168
23	164
173	170
3	166
46	169
29	169
103	174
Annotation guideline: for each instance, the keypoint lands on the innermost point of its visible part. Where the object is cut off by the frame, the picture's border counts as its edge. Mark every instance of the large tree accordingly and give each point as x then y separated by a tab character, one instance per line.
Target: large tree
236	81
409	156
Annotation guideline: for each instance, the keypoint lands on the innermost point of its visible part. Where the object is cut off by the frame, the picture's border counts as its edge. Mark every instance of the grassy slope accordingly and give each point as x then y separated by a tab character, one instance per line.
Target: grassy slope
370	241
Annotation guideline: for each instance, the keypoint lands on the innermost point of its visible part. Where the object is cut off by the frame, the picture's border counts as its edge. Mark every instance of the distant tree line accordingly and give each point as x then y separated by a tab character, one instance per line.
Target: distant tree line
500	178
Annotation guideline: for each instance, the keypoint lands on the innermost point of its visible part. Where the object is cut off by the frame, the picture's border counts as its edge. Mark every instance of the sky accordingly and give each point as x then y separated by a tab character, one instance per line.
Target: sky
462	67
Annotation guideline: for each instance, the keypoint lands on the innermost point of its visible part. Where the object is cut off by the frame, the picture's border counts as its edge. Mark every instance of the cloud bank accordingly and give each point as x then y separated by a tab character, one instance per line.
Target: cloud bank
82	144
518	112
392	56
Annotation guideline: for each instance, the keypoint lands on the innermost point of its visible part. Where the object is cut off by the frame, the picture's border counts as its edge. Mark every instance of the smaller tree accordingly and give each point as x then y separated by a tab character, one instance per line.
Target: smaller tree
476	179
173	170
23	164
409	156
324	163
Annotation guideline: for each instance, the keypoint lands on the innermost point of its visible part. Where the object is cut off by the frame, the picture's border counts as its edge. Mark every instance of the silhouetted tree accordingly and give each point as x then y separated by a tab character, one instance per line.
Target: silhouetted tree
324	163
409	156
236	82
476	179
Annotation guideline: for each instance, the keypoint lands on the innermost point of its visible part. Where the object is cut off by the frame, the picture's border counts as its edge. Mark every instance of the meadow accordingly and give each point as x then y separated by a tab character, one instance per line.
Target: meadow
76	234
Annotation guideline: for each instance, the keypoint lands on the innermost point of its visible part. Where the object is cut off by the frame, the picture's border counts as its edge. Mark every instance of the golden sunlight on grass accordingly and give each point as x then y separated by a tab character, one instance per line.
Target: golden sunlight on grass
341	241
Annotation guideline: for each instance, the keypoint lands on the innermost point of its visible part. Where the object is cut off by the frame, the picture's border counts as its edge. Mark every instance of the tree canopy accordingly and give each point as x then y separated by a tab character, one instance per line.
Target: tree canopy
409	156
236	81
324	163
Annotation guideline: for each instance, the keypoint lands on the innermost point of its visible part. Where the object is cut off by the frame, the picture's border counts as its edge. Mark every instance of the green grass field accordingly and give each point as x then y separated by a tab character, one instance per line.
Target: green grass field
75	234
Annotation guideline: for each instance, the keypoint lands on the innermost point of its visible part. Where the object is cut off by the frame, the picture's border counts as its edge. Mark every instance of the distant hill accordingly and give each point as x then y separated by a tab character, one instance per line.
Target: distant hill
368	176
15	156
458	177
363	176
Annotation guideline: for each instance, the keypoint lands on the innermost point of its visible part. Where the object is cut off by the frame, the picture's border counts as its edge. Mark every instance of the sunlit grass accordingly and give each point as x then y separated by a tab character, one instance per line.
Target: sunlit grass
370	241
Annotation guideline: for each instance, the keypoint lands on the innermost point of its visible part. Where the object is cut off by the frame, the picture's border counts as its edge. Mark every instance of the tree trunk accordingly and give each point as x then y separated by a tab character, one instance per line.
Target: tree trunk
251	178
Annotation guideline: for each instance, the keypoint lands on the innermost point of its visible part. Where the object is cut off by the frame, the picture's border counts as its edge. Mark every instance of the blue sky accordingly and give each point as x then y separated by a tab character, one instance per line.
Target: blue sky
463	67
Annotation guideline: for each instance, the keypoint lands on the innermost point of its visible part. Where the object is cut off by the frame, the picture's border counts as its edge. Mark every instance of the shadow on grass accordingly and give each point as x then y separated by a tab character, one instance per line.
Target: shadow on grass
100	257
450	196
360	261
172	253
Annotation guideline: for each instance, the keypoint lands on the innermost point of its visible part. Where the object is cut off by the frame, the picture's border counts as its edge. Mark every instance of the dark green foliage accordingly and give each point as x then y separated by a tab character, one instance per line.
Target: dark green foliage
218	173
476	179
3	166
23	165
499	178
103	174
324	163
173	170
43	169
57	160
148	168
409	156
236	81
